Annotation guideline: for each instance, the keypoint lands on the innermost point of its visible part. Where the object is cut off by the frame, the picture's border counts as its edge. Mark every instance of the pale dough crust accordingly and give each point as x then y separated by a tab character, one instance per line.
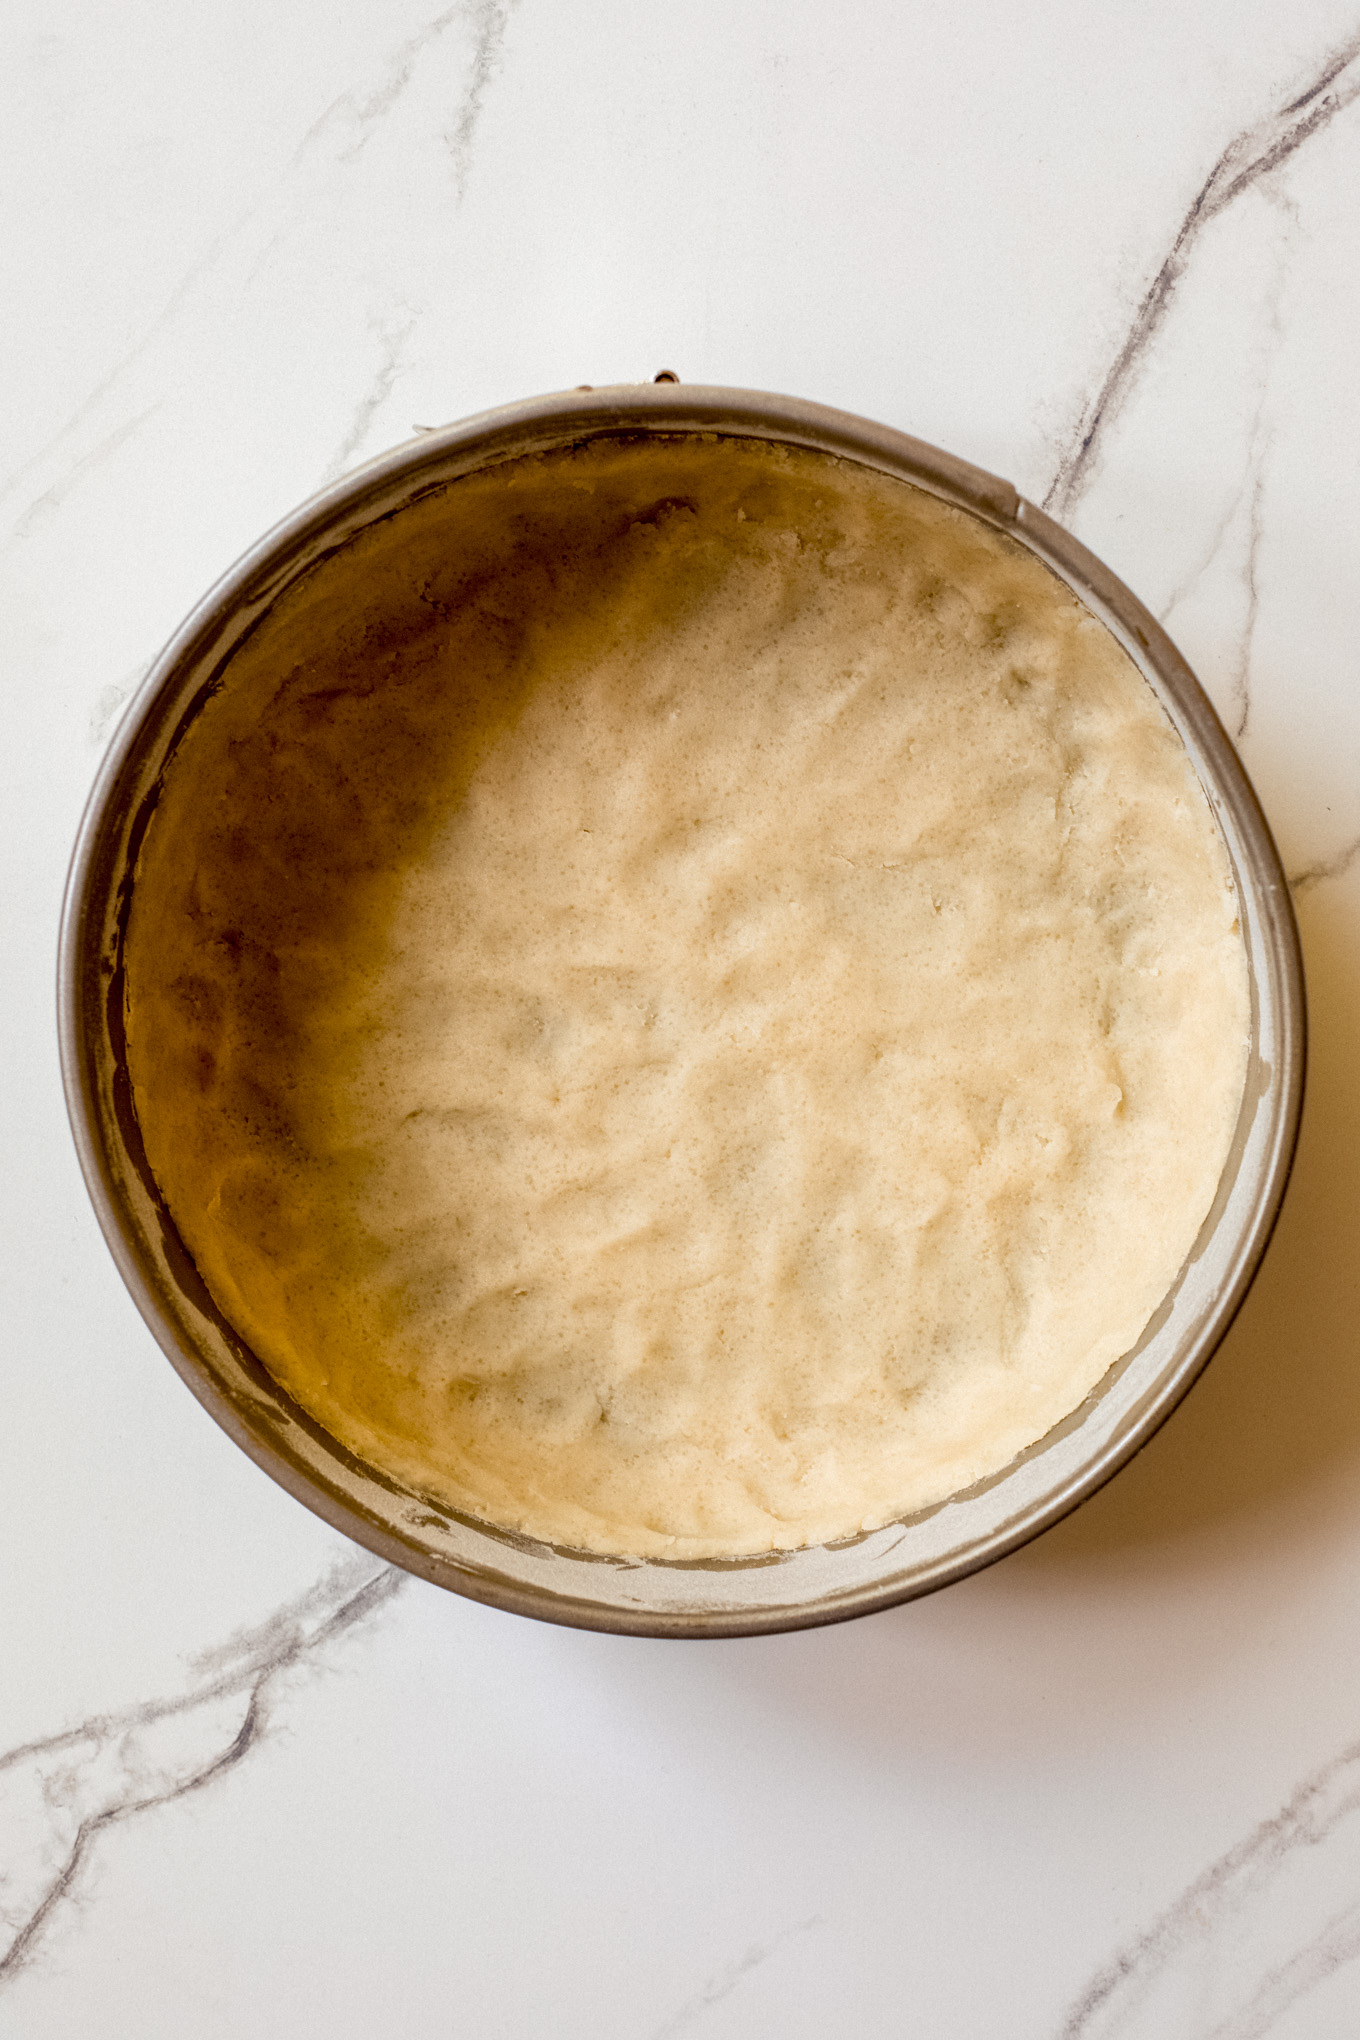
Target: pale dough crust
685	998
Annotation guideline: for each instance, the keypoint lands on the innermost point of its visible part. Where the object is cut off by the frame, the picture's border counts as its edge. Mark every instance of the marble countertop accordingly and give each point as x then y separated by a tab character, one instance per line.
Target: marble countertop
255	1784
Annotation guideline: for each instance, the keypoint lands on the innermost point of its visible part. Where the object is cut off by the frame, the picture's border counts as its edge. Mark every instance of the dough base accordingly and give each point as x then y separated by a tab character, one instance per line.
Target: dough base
685	998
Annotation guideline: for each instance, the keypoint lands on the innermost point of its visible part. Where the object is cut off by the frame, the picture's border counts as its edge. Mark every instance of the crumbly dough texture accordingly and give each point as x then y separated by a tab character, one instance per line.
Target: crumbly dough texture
685	998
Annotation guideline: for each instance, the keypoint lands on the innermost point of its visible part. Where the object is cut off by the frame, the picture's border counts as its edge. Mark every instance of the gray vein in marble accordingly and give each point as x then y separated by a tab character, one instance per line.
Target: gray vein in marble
1240	1892
1249	157
726	1980
1337	1944
78	1784
361	113
1250	492
1326	867
1190	580
53	498
1251	584
114	375
392	335
490	19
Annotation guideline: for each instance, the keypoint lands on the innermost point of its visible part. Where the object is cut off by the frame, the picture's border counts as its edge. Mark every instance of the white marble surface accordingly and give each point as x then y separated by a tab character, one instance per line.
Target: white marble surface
257	1785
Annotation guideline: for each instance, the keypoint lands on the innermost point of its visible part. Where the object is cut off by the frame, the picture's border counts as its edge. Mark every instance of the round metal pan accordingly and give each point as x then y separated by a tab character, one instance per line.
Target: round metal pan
658	1598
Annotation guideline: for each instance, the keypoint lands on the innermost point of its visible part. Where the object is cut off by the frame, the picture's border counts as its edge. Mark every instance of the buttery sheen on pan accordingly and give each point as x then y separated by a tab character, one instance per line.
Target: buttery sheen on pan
685	998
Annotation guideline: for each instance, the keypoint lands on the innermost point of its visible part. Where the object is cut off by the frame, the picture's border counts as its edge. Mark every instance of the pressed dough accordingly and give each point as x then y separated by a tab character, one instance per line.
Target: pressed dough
685	998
